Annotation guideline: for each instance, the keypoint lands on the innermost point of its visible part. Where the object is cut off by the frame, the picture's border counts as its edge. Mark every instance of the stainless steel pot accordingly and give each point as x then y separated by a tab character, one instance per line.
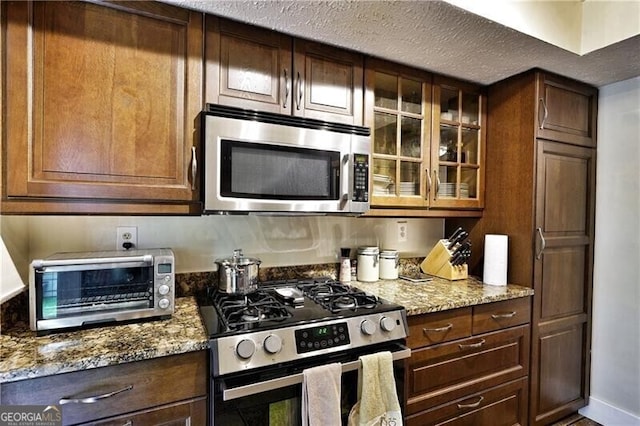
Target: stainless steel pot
238	274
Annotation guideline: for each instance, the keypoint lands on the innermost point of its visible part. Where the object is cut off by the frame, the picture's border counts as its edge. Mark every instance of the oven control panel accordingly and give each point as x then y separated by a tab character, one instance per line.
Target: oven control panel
322	337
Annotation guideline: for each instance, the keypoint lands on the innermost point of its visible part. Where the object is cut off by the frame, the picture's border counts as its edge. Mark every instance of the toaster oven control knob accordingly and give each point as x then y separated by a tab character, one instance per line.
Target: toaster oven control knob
387	324
272	344
163	289
245	348
163	303
368	327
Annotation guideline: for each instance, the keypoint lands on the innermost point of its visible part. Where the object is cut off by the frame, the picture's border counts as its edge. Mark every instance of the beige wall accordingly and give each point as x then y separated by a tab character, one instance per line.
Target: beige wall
198	241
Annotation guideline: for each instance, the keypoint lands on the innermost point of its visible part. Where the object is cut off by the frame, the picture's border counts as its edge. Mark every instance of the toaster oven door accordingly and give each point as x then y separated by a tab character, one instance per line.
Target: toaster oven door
76	295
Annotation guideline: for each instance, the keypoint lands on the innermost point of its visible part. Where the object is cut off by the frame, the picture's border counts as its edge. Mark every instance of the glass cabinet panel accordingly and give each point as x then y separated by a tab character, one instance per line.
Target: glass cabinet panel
457	155
400	104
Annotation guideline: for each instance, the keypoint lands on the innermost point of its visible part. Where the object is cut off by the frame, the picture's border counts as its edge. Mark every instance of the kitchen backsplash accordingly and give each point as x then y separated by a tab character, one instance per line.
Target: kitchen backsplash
198	241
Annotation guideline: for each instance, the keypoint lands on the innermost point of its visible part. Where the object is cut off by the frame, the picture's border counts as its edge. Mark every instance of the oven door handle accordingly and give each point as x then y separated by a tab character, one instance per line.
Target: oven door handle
294	379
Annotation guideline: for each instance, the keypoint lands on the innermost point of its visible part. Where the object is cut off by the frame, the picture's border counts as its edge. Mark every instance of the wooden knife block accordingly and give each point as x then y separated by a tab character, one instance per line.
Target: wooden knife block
437	263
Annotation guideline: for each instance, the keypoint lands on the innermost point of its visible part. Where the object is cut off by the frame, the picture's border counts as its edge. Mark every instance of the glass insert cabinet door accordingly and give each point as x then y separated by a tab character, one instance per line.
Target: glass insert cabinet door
457	155
399	104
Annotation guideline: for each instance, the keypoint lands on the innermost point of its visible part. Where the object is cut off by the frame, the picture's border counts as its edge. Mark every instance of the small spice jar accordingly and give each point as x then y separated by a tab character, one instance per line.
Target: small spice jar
389	261
368	264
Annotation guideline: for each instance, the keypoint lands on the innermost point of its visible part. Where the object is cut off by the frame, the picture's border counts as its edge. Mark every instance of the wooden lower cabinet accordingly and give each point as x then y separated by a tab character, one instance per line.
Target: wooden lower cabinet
168	390
476	372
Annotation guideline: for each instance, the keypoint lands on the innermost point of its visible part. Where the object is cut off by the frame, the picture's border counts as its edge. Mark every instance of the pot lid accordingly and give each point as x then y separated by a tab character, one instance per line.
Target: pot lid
238	259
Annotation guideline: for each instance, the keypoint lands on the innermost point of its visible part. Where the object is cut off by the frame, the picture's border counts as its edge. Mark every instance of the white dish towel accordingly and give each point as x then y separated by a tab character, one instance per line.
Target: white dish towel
321	395
378	403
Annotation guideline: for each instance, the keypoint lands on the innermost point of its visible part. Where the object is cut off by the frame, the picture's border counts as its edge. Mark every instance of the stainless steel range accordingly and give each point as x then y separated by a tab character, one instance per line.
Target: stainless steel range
261	342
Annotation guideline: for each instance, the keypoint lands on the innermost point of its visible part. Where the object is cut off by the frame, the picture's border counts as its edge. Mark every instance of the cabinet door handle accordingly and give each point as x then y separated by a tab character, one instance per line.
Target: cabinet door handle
438	330
437	180
287	87
546	113
194	168
300	89
543	243
428	183
93	399
472	345
473	404
504	315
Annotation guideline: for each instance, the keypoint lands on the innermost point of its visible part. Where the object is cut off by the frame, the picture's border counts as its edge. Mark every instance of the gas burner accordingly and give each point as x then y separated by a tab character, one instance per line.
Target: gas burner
240	312
345	302
337	297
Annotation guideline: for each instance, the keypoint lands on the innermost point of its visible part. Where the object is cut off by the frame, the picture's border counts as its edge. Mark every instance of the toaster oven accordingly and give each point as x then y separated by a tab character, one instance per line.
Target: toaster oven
69	290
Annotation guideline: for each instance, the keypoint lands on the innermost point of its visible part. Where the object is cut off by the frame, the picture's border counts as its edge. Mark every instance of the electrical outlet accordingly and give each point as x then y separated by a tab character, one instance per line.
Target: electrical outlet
126	237
402	232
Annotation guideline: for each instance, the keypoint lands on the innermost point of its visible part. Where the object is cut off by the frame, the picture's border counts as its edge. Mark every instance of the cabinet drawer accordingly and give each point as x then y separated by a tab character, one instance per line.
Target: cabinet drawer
503	405
150	383
494	316
189	413
441	373
439	327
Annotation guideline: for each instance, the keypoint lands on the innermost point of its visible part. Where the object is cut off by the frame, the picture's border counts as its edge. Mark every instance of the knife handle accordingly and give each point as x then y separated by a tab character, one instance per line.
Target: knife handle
455	234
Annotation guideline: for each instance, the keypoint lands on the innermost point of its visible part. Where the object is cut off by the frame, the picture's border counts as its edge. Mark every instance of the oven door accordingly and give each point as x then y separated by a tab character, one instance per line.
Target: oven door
272	396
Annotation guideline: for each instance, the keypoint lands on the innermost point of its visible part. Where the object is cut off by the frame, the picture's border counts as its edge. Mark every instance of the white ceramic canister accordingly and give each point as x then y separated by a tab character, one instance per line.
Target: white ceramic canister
389	261
368	264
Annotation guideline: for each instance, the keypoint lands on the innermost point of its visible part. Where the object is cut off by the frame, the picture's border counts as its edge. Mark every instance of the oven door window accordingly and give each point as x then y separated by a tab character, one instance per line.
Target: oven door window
63	293
278	172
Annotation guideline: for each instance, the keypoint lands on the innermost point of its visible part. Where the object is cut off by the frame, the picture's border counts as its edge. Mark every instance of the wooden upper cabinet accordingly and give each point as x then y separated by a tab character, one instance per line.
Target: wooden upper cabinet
102	102
254	68
458	144
566	110
398	111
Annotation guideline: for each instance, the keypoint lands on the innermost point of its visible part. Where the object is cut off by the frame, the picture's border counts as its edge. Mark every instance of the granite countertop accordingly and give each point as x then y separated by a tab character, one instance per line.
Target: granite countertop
24	355
440	294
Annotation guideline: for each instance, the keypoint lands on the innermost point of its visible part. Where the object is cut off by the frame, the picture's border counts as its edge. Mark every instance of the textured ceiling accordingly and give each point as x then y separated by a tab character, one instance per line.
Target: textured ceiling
431	35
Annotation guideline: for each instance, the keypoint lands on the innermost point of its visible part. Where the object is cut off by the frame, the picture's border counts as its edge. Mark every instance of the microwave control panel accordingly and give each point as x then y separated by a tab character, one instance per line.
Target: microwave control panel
360	178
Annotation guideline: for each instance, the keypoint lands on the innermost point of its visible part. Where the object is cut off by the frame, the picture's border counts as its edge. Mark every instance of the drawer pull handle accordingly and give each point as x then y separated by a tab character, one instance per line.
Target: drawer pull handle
472	345
473	404
504	315
93	399
438	330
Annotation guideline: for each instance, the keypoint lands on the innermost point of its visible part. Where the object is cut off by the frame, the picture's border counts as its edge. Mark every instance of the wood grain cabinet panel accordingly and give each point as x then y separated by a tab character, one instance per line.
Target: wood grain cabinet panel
439	327
255	68
541	193
566	110
504	405
471	366
103	101
144	385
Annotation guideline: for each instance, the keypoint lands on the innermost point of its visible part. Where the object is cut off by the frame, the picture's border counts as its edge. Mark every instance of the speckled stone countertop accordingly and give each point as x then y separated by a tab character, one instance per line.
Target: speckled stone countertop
440	294
23	355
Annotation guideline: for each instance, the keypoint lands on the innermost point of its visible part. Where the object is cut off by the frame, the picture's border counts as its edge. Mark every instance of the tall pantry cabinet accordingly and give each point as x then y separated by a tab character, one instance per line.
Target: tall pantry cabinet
540	175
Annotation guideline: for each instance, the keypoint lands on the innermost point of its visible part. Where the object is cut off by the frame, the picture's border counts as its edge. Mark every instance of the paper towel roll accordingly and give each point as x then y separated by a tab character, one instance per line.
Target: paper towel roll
496	248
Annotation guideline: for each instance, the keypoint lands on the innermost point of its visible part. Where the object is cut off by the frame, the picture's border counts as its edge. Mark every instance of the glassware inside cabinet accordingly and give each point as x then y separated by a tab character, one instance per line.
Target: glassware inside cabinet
411	96
385	133
409	178
386	91
469	182
411	137
384	176
448	143
469	148
470	109
448	105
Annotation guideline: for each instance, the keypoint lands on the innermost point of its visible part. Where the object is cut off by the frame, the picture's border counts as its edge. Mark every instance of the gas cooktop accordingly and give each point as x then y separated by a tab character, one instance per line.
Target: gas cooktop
289	319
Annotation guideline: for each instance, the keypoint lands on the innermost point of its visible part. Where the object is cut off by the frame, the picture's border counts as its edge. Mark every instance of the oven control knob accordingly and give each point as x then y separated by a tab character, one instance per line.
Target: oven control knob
367	327
272	344
163	303
163	289
387	324
245	348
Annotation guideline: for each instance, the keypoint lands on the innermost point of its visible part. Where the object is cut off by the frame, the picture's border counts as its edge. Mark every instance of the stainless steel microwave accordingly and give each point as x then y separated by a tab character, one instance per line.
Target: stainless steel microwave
273	163
68	290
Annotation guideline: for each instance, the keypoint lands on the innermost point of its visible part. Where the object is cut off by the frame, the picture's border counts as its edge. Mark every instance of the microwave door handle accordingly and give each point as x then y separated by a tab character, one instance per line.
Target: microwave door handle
344	181
294	379
147	259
